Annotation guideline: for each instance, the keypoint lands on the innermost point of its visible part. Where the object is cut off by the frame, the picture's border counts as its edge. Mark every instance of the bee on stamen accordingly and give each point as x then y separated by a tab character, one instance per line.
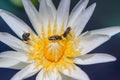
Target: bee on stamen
64	35
66	32
56	37
25	36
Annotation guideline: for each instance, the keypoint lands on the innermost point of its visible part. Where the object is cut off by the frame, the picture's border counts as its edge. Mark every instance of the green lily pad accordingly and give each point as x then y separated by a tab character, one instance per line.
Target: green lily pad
18	3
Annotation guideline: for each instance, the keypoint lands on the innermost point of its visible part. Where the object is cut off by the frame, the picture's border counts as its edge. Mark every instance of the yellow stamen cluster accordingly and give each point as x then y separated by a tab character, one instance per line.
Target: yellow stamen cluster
47	52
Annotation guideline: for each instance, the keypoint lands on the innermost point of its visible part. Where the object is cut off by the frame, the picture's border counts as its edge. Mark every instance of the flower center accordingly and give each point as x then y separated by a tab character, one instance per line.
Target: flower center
44	51
54	51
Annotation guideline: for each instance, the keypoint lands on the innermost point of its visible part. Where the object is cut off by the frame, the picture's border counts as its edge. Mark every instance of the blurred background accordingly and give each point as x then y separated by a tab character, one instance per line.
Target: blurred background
106	14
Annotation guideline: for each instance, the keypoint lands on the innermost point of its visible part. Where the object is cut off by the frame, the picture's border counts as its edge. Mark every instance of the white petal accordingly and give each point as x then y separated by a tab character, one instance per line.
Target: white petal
75	73
16	24
48	75
82	19
64	77
33	15
18	66
48	13
47	10
110	31
26	72
94	59
15	55
12	41
77	11
63	13
7	63
90	42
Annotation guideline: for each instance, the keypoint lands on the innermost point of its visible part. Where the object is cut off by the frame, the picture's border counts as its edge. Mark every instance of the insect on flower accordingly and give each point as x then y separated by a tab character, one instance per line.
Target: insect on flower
67	32
64	35
25	36
56	37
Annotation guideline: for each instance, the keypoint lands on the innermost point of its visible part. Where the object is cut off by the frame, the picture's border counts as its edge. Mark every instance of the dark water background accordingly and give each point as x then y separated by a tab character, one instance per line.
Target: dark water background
107	13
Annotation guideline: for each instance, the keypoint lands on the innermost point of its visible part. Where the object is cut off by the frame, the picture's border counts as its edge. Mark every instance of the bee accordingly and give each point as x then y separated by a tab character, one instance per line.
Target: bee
64	35
25	36
66	32
56	37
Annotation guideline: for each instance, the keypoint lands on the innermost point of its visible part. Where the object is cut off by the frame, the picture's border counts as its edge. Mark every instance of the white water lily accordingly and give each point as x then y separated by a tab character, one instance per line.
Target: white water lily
53	59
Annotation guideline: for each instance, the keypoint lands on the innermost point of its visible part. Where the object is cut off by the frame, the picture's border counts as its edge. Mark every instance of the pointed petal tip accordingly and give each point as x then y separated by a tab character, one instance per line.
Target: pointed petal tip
93	5
109	31
1	11
96	58
113	58
110	58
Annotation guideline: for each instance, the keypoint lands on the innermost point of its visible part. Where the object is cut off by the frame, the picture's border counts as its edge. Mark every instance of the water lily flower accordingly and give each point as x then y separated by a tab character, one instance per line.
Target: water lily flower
57	44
